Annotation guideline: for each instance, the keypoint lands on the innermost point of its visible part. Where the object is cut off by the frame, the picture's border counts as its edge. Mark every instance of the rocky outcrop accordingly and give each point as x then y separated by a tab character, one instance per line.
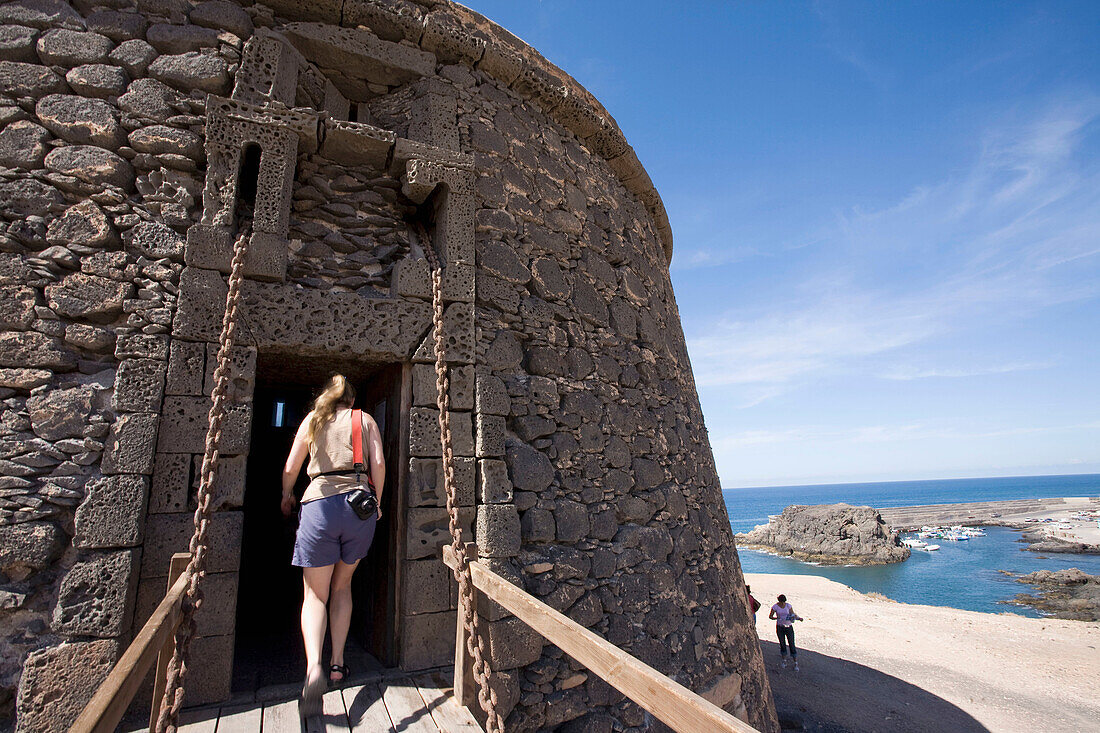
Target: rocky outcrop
1070	594
831	534
1039	540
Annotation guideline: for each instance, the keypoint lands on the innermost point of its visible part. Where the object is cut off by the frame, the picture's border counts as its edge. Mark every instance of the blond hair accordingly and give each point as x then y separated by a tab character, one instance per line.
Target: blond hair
337	393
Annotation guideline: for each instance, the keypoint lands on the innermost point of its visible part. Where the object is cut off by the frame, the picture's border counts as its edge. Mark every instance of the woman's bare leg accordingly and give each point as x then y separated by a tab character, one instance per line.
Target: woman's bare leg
316	581
339	609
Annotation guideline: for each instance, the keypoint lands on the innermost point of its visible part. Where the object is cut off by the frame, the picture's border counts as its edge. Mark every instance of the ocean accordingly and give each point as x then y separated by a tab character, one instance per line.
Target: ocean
960	575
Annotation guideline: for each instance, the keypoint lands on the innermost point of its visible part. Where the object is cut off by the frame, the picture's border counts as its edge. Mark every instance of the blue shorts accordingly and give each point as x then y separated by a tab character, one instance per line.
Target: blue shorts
330	530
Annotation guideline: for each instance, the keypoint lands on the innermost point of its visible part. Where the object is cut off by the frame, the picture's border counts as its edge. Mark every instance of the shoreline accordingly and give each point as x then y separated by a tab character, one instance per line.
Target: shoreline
908	667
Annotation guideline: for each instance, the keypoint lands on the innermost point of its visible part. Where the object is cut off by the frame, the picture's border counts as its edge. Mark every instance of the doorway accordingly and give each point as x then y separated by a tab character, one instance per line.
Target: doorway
268	646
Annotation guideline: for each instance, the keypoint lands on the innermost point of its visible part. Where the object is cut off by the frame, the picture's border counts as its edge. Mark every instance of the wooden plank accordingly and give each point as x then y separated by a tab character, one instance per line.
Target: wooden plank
282	717
366	711
334	714
176	566
106	708
202	720
406	707
672	703
241	719
441	703
465	686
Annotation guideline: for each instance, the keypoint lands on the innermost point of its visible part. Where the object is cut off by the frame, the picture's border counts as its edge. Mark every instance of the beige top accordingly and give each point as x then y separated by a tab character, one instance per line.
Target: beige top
330	450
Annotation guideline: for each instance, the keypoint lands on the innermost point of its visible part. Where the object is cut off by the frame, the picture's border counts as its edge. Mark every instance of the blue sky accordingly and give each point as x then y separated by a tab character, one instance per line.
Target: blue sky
886	220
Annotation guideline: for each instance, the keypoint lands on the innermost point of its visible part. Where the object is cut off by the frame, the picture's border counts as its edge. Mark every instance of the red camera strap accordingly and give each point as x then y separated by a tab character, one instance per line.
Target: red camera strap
357	439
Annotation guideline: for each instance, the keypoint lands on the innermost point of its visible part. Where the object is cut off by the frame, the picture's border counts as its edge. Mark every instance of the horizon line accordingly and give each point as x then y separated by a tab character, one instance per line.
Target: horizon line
906	481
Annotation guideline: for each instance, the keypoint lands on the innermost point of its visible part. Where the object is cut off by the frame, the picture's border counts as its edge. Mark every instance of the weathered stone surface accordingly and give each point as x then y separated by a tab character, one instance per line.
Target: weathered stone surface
424	433
218	617
92	164
84	224
130	444
428	530
155	241
118	26
98	80
493	485
113	512
571	521
177	39
166	534
502	261
537	525
58	681
528	469
184	422
97	595
23	145
28	197
63	47
139	385
837	534
429	640
17	43
512	644
427	587
29	546
186	366
134	56
24	379
426	482
159	139
222	15
32	349
16	307
88	296
62	413
28	80
498	531
193	70
88	337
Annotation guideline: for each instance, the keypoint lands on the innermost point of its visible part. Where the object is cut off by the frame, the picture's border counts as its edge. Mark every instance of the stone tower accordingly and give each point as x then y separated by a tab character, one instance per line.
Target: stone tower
139	137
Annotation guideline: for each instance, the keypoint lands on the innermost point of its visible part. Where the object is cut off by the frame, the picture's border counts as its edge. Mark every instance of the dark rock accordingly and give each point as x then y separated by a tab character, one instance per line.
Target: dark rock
58	681
832	534
134	56
221	15
62	47
35	350
28	197
529	469
81	121
1069	594
17	44
61	413
21	80
84	224
41	14
155	240
193	70
16	307
176	39
502	261
98	80
29	547
150	99
158	139
88	296
96	597
117	26
92	165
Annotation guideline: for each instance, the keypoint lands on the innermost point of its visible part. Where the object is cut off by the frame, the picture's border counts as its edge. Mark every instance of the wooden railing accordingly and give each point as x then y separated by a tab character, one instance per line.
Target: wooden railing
154	643
670	702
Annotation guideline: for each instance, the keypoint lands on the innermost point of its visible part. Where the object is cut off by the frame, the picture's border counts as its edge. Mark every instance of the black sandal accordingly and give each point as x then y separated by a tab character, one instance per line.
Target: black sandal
342	670
310	704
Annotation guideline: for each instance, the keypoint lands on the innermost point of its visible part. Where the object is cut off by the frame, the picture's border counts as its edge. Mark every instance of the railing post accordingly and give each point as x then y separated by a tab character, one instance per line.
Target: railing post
160	678
465	685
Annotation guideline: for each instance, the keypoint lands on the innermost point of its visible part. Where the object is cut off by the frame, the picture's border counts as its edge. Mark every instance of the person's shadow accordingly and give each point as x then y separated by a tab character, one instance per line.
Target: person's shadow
833	695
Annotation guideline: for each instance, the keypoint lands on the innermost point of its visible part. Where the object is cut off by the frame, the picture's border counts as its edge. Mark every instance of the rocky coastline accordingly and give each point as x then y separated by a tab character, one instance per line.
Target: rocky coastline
829	534
1039	540
1067	594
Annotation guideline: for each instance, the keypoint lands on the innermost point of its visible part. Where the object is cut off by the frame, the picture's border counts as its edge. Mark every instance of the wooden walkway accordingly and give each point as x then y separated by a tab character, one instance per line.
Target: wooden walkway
421	703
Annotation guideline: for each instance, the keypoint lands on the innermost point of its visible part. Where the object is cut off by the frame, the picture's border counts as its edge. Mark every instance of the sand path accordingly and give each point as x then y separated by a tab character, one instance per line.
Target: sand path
870	664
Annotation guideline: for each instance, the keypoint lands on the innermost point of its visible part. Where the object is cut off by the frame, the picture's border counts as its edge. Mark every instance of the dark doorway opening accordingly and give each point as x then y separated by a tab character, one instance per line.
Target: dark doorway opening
268	647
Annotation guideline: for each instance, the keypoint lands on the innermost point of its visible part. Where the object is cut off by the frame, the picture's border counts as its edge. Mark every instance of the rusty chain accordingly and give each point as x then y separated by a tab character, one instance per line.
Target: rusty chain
168	720
476	643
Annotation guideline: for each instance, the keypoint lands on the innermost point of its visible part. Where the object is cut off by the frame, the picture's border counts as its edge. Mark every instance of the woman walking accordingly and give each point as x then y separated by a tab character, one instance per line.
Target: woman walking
339	512
784	616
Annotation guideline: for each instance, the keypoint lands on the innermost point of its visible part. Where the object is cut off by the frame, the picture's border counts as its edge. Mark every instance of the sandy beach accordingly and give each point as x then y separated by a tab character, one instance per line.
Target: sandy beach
871	664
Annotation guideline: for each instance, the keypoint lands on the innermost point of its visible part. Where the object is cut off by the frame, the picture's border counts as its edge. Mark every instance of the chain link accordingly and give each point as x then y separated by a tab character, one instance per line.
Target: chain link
168	720
476	643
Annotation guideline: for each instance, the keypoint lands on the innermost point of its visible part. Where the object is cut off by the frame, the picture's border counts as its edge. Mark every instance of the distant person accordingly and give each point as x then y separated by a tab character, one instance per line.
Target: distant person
336	522
753	603
784	616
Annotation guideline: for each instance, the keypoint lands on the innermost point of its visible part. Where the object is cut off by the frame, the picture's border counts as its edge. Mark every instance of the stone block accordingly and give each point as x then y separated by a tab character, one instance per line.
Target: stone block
211	674
169	485
242	372
491	434
81	121
97	595
428	641
571	521
113	513
139	385
61	413
156	241
88	297
184	423
130	444
491	396
428	531
186	368
29	547
513	644
58	681
426	587
166	534
142	346
192	70
498	531
461	386
356	142
229	483
458	343
426	487
424	433
493	486
218	616
537	525
529	469
376	60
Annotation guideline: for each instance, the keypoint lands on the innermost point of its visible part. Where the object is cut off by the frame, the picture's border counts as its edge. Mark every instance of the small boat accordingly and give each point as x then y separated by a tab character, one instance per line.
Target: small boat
929	548
914	544
955	537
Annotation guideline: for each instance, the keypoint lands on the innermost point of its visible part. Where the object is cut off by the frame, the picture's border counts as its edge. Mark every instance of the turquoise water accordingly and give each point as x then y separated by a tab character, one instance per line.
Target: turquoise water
960	575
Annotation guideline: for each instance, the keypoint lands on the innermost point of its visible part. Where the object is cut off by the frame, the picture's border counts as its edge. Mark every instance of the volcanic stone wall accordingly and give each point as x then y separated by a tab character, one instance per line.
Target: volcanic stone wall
132	132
